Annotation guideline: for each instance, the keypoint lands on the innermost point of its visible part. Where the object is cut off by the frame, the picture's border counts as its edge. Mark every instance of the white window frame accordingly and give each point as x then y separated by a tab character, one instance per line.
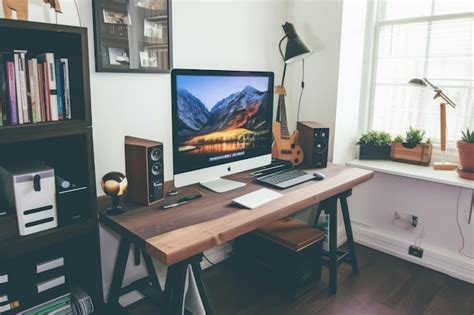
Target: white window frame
375	21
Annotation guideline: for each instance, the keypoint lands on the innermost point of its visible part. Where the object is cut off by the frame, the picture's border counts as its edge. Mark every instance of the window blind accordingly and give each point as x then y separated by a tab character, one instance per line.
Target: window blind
416	39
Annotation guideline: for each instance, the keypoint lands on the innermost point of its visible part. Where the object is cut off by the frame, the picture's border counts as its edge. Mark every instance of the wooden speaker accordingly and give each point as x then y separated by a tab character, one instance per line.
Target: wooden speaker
314	140
144	170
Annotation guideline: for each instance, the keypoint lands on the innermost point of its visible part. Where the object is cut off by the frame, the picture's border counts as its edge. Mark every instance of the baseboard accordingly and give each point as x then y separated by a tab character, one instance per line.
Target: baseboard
454	267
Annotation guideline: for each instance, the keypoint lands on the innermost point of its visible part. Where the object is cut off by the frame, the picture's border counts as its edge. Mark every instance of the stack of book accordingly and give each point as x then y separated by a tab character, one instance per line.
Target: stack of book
33	88
61	305
6	302
76	303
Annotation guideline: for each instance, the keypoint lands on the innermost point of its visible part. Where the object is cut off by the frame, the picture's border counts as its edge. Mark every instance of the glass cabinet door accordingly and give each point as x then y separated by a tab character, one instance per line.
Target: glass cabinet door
132	35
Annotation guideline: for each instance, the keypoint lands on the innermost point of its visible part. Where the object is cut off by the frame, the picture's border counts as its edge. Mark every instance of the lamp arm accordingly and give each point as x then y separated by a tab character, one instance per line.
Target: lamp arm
430	84
447	99
440	93
279	47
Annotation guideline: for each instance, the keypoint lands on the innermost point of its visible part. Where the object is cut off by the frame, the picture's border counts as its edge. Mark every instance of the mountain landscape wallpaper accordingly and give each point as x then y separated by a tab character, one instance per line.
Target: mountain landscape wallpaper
222	117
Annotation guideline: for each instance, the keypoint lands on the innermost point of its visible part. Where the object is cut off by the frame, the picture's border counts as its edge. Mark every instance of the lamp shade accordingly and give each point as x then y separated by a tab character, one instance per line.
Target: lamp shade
418	82
295	48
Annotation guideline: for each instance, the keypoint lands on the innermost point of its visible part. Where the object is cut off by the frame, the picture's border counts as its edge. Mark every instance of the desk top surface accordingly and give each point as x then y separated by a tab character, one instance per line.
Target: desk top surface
178	233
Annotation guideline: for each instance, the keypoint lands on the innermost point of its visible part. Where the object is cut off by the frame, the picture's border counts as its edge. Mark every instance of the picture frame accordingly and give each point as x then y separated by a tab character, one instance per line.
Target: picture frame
132	36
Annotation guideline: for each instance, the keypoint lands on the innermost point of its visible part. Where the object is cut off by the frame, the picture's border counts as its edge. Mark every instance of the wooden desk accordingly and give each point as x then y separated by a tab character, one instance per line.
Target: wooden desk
178	236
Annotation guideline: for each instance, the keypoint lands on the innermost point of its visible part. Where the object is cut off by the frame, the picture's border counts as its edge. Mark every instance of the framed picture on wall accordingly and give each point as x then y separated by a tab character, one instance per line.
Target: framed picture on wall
132	35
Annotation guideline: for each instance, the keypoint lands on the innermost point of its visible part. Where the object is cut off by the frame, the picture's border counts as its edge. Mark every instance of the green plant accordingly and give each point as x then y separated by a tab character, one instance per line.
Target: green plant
467	136
377	138
428	141
398	138
414	136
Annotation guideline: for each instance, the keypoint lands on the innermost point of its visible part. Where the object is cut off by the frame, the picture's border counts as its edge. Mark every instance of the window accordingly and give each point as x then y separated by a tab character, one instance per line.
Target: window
431	39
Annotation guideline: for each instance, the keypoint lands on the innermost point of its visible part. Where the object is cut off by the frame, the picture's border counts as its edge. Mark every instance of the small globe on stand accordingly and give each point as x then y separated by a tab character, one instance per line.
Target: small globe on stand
115	184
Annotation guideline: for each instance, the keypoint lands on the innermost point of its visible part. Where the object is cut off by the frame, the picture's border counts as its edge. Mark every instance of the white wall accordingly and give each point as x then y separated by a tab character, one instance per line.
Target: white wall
318	22
351	72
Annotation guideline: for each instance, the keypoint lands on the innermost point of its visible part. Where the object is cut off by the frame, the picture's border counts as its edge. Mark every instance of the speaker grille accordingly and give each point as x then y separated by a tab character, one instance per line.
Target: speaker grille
155	173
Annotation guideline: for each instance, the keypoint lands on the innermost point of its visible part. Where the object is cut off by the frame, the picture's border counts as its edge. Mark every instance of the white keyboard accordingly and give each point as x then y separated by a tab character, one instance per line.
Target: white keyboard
257	198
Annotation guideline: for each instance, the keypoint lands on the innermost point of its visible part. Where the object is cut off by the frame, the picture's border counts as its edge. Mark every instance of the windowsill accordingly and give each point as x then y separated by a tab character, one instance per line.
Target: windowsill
426	173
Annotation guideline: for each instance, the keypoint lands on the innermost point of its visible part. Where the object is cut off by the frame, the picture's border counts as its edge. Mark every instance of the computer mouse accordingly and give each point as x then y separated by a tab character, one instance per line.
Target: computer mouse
318	176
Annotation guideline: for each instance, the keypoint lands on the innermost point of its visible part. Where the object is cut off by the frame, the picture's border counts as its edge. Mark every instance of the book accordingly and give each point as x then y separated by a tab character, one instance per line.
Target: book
3	92
67	90
12	105
10	306
47	95
36	80
59	87
34	90
21	88
41	92
53	99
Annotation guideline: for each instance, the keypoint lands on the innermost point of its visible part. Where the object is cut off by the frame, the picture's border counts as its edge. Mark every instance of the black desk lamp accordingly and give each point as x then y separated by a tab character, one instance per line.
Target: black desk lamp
439	94
295	50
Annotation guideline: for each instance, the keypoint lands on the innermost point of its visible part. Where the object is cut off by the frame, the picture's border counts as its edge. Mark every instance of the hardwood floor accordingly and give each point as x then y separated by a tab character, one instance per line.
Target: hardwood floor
385	285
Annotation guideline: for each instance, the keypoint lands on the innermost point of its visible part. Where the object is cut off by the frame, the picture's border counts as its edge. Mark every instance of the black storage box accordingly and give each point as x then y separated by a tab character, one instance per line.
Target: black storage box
375	152
72	205
274	254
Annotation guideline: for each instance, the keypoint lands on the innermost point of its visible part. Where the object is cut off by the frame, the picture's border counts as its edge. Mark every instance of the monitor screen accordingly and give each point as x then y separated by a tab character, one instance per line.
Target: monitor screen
220	117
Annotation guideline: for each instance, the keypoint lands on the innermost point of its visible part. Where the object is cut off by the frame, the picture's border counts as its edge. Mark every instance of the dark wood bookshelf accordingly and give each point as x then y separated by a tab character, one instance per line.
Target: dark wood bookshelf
66	146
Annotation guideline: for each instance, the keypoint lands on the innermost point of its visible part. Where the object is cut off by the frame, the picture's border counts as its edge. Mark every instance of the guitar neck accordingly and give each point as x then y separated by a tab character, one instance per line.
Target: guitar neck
283	119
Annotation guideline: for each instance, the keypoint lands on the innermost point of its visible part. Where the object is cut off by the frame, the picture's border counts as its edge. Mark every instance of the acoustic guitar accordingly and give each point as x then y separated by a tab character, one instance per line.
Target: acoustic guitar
285	146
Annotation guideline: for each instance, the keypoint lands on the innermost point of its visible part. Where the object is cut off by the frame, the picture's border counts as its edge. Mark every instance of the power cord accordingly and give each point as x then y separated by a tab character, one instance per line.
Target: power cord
420	236
459	227
301	93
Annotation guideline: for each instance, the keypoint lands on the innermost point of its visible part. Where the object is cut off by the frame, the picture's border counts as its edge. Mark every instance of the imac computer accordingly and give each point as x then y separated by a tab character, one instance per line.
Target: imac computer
222	124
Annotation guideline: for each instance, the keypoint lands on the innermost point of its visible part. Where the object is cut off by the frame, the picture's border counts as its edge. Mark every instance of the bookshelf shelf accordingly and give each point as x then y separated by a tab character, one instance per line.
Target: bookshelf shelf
26	132
14	244
66	146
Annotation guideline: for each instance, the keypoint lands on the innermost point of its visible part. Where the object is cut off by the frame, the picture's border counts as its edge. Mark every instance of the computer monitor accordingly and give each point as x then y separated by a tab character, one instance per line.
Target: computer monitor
222	124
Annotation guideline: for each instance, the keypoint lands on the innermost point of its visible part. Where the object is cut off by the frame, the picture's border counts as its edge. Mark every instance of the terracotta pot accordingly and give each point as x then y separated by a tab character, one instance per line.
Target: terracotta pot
466	155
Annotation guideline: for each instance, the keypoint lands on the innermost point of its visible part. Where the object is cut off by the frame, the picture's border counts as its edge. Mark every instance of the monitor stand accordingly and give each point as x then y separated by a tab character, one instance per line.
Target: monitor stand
221	185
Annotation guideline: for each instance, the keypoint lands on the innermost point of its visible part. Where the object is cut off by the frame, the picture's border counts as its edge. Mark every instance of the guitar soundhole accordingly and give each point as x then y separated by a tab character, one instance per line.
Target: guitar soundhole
296	161
299	152
293	145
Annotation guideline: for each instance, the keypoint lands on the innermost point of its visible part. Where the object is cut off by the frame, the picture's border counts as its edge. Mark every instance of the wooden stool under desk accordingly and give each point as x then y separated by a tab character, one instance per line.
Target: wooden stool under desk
296	236
287	249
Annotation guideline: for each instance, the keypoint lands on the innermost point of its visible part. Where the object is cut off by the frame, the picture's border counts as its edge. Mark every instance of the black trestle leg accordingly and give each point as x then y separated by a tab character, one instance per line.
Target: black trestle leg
119	272
151	271
332	209
350	238
203	292
175	284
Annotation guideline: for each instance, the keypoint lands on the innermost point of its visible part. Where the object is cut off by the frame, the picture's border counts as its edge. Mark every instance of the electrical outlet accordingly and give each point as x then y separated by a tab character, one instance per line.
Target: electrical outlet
415	251
407	217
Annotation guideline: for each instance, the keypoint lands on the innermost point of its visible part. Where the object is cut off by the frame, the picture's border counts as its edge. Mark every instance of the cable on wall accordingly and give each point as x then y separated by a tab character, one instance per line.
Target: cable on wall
301	94
459	227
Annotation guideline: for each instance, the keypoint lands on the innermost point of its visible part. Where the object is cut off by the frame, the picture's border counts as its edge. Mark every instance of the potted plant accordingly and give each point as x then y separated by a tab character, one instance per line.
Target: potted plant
412	149
375	145
466	154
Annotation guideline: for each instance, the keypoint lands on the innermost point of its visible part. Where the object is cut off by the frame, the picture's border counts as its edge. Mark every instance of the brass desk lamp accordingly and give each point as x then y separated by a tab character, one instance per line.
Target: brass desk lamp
443	165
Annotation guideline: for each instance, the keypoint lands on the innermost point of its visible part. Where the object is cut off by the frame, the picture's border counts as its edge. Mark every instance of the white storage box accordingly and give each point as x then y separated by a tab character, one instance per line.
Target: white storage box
31	190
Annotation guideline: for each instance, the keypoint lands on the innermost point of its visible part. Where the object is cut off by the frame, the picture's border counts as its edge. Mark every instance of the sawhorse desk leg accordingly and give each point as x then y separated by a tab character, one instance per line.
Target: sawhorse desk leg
175	286
148	286
334	257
